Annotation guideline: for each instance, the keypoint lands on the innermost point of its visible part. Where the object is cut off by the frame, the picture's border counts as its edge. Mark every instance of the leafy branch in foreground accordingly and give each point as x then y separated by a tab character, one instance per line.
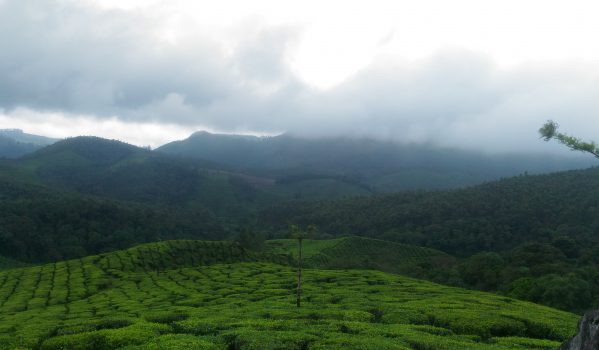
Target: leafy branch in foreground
549	131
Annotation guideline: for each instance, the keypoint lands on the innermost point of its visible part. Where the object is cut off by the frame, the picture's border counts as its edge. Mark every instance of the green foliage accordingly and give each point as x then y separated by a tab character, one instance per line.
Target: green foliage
216	296
483	270
549	131
566	292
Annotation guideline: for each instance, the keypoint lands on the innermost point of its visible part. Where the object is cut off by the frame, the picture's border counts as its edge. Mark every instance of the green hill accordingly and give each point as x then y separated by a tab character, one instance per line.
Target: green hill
215	295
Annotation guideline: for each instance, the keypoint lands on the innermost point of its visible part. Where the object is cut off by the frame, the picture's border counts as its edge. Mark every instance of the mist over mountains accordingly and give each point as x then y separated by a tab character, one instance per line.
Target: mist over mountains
381	166
362	165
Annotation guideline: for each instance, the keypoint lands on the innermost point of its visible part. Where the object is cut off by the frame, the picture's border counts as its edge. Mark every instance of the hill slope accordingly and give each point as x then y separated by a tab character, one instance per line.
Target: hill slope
150	298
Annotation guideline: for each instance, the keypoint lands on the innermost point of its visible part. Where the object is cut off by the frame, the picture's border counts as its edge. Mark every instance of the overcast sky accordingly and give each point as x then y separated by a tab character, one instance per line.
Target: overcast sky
472	74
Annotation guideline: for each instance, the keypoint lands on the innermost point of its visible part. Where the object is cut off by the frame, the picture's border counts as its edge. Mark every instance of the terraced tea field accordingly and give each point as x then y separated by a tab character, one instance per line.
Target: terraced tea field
215	295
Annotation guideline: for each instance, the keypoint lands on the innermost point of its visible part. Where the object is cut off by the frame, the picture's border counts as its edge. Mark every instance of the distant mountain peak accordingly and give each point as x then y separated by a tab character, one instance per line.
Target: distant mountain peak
93	148
203	133
94	141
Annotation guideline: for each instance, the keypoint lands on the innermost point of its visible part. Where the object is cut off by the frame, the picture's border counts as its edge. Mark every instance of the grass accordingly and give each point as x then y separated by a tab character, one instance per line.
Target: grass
215	295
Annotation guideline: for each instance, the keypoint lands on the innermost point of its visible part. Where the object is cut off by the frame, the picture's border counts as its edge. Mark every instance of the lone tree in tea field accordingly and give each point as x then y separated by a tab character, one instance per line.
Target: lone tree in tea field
299	235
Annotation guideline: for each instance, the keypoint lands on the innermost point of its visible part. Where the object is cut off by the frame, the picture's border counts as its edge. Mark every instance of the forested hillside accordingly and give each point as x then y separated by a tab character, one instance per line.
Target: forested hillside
38	224
494	216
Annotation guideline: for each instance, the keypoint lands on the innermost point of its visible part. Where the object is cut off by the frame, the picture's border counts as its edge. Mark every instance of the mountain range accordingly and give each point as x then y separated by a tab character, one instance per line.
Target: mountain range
322	168
373	165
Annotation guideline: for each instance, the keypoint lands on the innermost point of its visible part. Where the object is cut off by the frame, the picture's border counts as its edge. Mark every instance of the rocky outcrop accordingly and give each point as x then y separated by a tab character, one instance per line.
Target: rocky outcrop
588	334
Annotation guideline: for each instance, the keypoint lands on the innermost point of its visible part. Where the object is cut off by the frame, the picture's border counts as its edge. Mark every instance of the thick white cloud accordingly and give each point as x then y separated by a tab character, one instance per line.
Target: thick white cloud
125	69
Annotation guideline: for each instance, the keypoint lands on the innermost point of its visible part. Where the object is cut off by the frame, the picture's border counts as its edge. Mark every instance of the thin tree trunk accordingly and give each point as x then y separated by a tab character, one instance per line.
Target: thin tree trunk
299	275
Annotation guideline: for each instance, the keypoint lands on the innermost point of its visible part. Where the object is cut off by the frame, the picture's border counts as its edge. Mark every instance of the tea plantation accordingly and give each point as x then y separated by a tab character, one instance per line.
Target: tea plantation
216	295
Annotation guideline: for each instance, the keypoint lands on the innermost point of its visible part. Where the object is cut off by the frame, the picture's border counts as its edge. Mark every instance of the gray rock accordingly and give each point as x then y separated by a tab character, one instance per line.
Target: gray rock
588	334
